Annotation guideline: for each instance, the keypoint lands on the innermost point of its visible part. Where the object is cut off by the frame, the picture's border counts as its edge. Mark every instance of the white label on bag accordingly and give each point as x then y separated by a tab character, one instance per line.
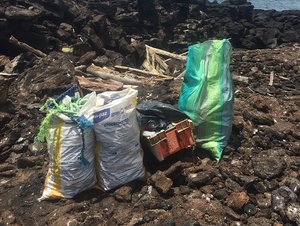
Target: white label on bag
101	115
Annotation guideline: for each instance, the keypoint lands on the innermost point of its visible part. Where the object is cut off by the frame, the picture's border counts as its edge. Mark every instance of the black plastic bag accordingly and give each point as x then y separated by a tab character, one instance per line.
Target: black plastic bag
154	115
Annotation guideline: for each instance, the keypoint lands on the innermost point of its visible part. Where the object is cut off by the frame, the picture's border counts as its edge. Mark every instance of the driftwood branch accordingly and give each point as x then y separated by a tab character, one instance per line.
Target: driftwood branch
98	84
161	62
181	75
166	53
240	78
271	78
26	47
143	72
8	74
104	74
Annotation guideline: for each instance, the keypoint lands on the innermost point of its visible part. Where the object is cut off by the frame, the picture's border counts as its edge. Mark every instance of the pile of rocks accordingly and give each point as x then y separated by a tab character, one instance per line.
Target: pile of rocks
256	182
112	28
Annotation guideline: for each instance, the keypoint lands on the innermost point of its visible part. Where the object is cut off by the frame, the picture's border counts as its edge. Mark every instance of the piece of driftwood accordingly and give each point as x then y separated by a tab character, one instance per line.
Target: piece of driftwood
143	72
98	84
26	47
80	67
240	78
166	53
148	67
284	78
107	74
162	64
181	75
8	74
271	78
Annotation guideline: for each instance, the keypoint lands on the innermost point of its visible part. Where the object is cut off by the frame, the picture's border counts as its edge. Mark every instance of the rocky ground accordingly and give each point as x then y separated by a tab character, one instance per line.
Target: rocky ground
256	183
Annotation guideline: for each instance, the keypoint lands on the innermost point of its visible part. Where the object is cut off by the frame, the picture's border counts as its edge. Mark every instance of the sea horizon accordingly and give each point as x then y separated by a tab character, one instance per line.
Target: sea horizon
278	5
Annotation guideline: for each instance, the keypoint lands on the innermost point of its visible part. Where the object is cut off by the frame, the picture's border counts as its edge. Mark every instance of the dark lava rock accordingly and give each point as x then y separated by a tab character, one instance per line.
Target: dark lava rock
238	123
184	190
254	221
87	58
23	163
4	88
200	178
191	223
258	117
4	118
220	194
232	185
250	209
268	166
65	32
50	75
101	61
169	222
20	148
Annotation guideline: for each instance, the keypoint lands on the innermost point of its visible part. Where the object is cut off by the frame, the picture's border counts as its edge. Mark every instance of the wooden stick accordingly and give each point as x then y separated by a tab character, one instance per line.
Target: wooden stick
271	78
148	67
142	72
240	78
161	62
26	47
98	84
181	75
98	71
166	53
284	78
8	74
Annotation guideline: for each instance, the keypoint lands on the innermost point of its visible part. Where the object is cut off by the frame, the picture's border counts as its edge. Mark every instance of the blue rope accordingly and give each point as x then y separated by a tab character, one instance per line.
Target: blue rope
83	160
82	123
70	92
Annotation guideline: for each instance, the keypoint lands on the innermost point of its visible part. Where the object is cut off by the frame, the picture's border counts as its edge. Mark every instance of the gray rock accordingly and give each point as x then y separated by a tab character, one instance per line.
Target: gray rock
268	167
293	212
281	197
264	200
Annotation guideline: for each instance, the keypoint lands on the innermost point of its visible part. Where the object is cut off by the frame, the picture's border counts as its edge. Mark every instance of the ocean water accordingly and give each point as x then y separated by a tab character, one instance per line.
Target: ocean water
278	5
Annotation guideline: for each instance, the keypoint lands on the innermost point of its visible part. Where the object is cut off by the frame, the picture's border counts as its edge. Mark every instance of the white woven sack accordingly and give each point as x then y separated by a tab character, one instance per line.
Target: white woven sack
119	157
69	173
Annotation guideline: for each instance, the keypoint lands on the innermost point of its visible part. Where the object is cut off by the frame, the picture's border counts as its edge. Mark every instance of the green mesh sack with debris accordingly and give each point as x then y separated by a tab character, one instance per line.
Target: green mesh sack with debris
69	108
207	94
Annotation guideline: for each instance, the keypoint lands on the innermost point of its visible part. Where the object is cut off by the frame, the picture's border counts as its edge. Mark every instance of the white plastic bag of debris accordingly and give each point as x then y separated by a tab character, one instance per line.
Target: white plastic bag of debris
119	157
71	147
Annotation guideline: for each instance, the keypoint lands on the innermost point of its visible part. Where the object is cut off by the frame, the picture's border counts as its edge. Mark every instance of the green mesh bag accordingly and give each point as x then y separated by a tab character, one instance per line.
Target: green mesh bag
207	94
